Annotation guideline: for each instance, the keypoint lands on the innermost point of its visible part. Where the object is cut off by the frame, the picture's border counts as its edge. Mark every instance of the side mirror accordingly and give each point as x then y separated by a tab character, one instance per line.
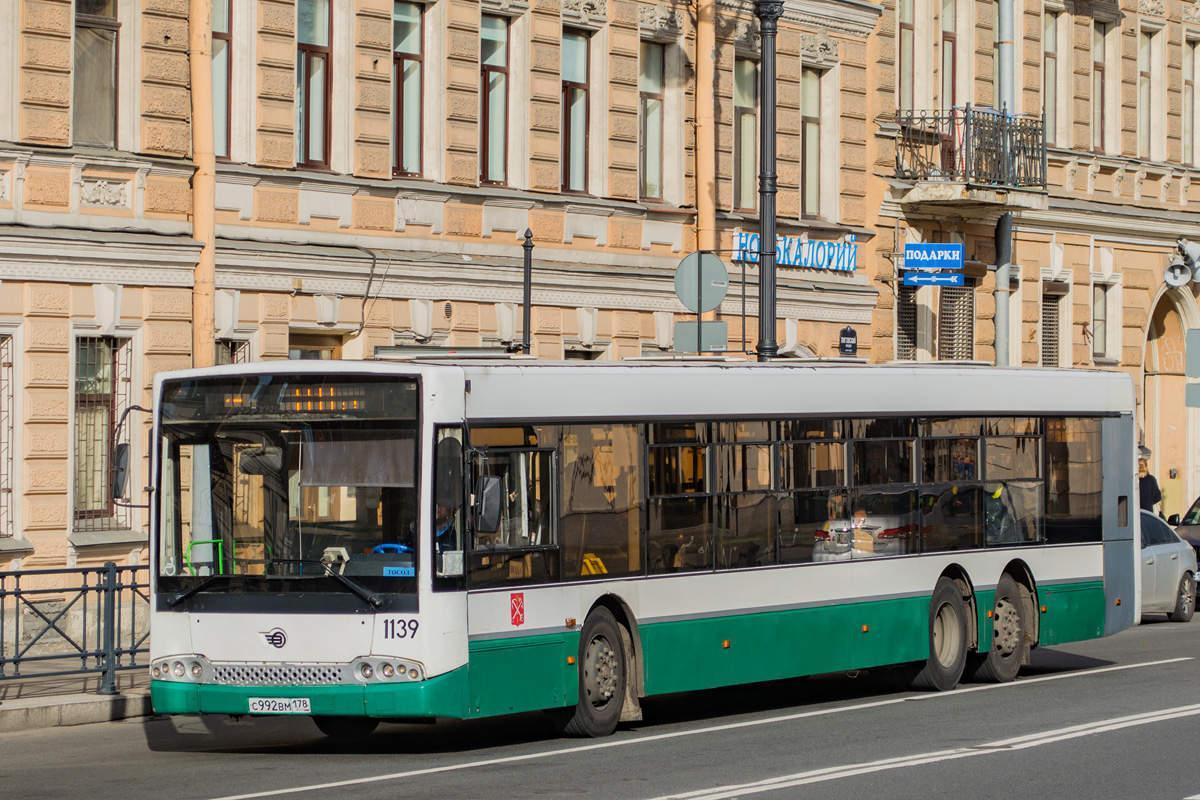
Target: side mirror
487	504
1173	520
120	471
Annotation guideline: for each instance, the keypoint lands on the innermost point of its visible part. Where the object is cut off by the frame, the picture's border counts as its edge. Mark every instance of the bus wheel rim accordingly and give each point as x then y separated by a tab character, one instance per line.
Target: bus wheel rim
1008	629
600	671
946	634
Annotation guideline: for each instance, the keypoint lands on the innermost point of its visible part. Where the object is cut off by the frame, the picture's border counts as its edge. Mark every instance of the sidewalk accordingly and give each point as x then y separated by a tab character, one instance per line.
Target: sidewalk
31	701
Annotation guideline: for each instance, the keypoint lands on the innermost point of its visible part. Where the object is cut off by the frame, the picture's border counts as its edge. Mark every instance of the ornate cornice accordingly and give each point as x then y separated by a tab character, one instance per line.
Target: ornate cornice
1153	8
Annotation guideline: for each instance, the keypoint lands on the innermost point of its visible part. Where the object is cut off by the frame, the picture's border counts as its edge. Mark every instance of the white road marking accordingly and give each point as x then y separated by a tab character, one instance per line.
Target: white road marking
604	745
1006	745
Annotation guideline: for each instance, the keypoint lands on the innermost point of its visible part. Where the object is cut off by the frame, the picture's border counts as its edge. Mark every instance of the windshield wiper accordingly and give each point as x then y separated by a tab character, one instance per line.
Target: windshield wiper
365	594
194	588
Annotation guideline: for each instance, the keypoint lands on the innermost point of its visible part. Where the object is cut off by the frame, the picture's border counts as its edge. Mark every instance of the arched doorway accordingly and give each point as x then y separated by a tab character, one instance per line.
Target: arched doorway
1165	425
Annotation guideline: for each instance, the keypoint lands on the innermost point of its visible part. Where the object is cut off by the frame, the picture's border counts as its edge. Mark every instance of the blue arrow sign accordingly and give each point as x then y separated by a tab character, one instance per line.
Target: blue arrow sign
933	279
941	256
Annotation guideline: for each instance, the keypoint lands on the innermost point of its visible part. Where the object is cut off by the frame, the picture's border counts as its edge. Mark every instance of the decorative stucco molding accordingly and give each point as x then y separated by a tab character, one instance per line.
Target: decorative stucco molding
660	21
592	13
818	49
112	194
1153	8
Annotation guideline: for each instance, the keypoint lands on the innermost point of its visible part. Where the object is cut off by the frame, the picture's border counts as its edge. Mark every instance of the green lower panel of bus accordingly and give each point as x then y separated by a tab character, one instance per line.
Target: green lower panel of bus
1074	612
512	675
705	653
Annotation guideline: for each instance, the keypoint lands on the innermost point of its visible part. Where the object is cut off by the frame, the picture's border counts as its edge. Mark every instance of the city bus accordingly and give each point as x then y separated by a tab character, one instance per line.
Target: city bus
410	540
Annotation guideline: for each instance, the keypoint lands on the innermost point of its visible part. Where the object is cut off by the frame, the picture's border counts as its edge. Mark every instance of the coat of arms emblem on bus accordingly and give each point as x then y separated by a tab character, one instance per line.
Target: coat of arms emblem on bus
517	605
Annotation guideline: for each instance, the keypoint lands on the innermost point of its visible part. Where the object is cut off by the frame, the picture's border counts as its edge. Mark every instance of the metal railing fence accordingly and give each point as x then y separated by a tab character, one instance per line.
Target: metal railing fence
977	146
87	620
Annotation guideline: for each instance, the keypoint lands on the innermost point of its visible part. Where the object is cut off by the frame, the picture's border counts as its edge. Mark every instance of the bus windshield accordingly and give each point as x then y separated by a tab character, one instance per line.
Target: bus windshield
288	483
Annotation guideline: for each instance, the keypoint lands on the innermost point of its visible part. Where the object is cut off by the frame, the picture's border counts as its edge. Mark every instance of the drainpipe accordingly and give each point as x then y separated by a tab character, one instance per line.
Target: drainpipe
1006	91
204	183
1003	263
706	133
1005	74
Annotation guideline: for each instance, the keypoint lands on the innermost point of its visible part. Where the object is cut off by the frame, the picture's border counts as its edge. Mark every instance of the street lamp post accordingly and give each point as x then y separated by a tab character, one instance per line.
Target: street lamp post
768	13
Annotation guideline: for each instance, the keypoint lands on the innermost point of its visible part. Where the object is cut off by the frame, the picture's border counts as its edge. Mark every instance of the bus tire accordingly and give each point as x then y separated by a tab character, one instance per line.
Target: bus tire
947	640
1003	661
1185	599
346	727
602	676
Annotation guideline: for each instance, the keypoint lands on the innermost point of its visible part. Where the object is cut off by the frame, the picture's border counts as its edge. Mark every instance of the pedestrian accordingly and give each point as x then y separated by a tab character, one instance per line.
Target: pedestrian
1148	492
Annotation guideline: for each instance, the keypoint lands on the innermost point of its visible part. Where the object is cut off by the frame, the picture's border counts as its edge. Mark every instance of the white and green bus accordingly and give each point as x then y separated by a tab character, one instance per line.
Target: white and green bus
367	541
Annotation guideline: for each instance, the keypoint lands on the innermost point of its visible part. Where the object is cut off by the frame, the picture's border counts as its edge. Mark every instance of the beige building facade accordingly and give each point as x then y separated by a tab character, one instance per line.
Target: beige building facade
374	167
1116	85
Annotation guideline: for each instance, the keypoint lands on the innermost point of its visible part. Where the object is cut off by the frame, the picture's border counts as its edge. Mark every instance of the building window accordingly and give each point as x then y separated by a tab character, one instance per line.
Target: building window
222	51
314	347
904	63
94	107
1050	346
650	119
1050	73
949	53
810	142
232	351
745	133
493	61
313	84
102	394
574	111
1189	102
407	68
1099	320
1099	31
906	323
956	323
7	432
1144	97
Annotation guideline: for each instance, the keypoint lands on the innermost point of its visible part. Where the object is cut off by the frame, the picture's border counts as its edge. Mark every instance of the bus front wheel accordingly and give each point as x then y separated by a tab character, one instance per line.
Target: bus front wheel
947	640
601	679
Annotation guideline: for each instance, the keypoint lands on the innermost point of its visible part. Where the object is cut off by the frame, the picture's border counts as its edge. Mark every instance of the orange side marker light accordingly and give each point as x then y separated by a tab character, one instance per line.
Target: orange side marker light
725	644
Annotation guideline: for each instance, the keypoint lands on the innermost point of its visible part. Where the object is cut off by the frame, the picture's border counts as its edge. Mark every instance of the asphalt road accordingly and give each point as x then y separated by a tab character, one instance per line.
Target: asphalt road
1115	718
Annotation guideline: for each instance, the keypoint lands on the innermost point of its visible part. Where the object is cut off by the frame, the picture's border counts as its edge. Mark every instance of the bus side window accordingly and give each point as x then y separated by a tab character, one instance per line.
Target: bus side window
524	545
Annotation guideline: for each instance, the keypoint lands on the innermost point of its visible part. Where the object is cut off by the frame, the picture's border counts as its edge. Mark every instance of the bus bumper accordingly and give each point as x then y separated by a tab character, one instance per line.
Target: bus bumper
442	696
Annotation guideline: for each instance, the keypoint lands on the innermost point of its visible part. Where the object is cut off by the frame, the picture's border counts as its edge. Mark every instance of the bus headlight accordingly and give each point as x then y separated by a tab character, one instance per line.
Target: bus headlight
366	670
197	670
177	670
388	670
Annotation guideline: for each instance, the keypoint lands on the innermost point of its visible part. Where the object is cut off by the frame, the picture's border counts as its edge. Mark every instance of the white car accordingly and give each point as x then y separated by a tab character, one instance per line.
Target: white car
1168	571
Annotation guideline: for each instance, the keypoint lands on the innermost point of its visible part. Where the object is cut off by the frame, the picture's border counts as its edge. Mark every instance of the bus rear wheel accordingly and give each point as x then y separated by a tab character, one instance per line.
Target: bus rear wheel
1002	663
346	727
601	679
947	640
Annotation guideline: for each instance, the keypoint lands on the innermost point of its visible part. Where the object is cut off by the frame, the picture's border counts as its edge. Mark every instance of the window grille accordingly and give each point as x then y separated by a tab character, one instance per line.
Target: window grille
102	393
956	323
906	323
1049	330
7	431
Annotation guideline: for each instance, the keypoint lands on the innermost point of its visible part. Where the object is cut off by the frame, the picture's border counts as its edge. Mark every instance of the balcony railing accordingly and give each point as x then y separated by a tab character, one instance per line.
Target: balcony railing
976	146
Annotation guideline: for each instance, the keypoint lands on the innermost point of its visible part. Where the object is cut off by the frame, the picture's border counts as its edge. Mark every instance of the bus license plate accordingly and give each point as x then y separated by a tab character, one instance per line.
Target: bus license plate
279	705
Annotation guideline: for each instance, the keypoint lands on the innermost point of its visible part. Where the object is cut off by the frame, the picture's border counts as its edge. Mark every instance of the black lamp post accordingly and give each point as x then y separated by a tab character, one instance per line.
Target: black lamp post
528	292
768	13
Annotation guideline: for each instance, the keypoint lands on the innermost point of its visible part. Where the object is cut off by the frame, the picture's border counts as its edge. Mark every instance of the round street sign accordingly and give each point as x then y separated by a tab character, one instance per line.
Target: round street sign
701	282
